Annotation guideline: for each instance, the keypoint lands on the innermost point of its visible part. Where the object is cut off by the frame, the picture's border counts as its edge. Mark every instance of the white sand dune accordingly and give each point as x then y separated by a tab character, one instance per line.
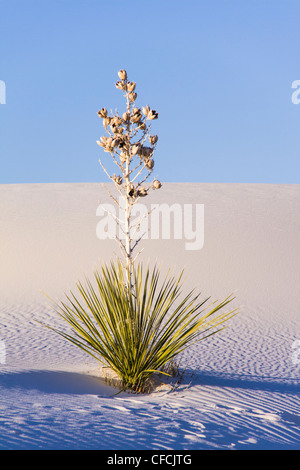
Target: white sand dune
241	387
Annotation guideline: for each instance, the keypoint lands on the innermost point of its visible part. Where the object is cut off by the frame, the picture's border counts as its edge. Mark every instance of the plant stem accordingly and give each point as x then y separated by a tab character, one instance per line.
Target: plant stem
128	204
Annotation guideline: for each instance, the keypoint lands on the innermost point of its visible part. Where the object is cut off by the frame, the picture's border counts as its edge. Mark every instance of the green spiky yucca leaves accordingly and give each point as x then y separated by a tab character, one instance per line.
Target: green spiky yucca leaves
137	332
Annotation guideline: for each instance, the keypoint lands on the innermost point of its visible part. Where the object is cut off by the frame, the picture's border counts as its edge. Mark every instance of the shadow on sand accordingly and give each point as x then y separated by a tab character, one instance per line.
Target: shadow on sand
81	384
266	384
58	382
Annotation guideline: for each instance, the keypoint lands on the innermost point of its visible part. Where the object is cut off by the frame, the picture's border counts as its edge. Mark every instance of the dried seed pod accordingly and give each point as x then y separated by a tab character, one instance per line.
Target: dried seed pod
122	74
146	110
135	149
122	142
116	129
115	142
150	164
136	115
126	117
108	144
131	86
121	85
132	191
117	121
136	118
153	139
103	141
102	113
117	179
152	115
156	184
146	151
142	126
142	192
132	96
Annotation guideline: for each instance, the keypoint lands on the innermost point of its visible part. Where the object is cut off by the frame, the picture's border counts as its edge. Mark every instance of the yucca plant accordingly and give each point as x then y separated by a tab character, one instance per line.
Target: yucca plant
138	335
127	318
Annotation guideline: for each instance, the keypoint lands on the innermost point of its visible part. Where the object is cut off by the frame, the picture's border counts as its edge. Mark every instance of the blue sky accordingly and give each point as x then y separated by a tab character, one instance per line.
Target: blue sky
219	72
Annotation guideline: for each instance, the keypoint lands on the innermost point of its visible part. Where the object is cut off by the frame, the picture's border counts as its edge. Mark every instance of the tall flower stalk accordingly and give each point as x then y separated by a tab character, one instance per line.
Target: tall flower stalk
129	141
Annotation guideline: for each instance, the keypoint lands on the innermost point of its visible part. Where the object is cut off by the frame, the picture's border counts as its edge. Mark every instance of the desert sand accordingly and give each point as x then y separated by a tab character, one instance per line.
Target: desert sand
240	389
